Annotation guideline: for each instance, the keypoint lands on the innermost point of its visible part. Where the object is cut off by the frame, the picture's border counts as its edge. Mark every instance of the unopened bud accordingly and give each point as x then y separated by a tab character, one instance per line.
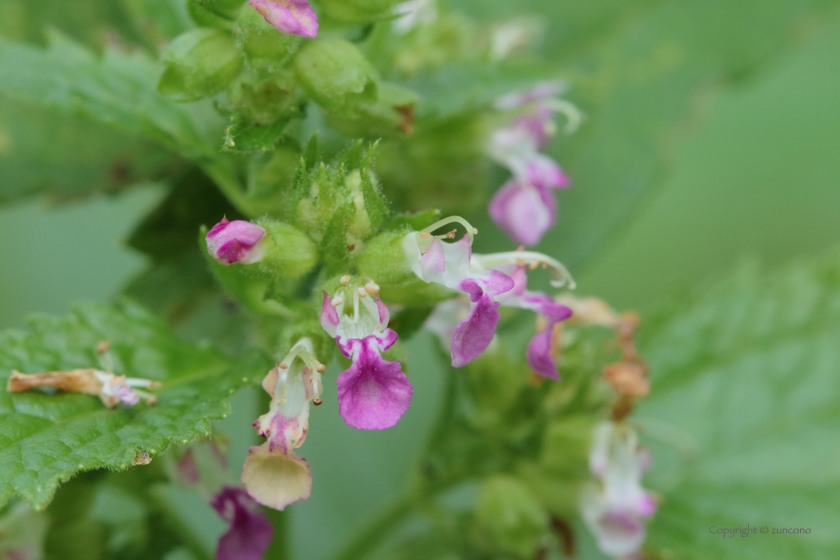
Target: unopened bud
510	515
199	63
236	242
336	75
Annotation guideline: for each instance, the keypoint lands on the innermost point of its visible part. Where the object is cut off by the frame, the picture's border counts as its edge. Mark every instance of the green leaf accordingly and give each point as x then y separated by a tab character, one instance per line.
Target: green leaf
46	439
65	157
745	391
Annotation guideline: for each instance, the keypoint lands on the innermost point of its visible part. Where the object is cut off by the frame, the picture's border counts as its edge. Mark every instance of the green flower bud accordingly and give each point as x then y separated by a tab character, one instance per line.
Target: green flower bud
203	14
199	63
336	75
384	259
509	516
264	99
392	113
265	48
357	10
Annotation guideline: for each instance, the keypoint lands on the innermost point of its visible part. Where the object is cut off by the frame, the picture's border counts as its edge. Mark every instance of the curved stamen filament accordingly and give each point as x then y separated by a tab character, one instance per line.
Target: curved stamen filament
471	231
560	276
573	114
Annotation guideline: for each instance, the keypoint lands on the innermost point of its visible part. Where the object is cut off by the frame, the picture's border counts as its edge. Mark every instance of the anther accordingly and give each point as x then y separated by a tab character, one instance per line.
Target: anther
372	288
321	368
520	262
362	293
317	402
451	234
521	248
545	265
336	301
345	280
534	265
283	366
425	235
102	347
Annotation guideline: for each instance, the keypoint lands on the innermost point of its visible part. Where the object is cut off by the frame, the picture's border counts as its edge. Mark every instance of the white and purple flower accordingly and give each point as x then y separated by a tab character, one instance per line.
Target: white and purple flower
615	508
295	17
449	264
249	531
273	474
373	393
525	207
236	242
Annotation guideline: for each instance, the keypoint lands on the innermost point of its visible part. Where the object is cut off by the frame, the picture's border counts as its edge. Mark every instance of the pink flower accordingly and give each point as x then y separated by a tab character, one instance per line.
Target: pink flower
295	17
235	242
449	264
273	474
373	393
615	508
524	211
249	532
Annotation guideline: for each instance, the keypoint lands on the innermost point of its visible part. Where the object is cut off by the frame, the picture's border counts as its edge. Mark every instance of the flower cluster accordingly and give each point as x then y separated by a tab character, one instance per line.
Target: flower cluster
525	207
489	281
615	507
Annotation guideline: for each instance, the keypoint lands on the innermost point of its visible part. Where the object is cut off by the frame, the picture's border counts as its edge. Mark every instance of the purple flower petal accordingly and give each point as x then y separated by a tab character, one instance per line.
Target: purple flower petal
374	393
539	356
249	533
474	334
433	262
542	171
329	316
384	314
235	242
524	212
295	17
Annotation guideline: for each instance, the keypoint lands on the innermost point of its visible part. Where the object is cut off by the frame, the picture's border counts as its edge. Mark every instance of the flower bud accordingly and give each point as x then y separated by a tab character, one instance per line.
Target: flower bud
294	17
236	242
510	516
357	10
281	251
392	113
336	75
199	63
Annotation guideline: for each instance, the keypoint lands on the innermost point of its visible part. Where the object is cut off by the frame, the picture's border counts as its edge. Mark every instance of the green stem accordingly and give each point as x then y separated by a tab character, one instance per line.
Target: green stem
222	175
372	535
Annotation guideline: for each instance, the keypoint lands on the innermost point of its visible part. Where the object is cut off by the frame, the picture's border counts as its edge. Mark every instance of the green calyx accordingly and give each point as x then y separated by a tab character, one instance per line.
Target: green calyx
199	63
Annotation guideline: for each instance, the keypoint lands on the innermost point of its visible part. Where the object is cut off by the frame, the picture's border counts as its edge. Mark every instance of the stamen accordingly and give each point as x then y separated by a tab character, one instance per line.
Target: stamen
320	368
102	347
451	234
337	300
147	383
372	288
471	231
345	280
534	265
573	115
560	276
317	402
425	235
283	366
362	293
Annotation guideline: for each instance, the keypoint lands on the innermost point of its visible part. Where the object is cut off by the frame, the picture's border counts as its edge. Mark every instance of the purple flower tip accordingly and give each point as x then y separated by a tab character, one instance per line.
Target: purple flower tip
524	212
374	393
235	242
295	17
249	533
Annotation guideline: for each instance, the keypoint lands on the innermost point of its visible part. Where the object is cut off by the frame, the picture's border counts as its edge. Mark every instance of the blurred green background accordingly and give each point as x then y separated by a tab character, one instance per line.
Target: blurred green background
756	176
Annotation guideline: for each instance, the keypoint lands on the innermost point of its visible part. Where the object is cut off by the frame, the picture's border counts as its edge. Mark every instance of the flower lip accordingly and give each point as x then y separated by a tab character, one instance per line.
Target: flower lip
295	17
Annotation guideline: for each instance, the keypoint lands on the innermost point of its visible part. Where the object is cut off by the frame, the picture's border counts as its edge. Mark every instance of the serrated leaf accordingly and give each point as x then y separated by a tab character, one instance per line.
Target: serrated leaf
46	439
746	392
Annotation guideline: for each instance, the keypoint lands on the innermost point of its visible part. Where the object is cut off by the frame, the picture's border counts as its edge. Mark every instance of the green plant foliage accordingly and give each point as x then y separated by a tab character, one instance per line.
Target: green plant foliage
48	438
745	386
